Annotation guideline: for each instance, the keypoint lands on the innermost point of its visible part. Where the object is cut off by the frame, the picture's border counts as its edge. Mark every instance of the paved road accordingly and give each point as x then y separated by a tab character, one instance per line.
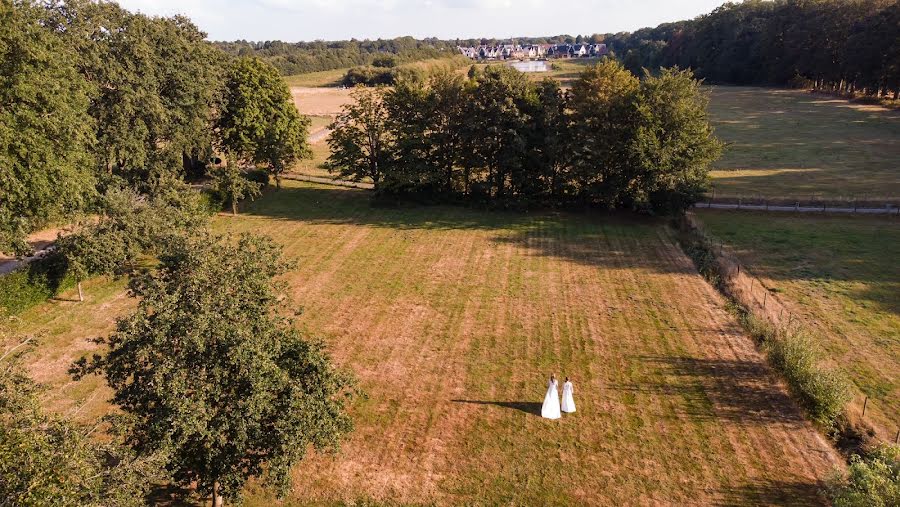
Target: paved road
800	209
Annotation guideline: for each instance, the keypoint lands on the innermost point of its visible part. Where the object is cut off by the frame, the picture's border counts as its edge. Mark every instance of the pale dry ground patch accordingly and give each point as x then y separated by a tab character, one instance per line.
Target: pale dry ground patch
452	319
320	101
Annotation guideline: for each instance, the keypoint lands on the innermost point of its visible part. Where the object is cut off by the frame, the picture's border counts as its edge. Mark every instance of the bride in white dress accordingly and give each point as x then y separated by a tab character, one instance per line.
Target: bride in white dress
568	400
550	409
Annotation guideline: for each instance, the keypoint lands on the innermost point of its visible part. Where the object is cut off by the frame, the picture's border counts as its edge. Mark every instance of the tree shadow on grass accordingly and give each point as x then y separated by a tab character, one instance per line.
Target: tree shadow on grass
590	238
741	392
761	492
528	407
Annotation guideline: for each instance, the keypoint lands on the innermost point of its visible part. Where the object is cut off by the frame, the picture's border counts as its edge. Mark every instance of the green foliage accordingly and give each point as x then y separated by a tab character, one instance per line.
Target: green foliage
872	481
232	185
825	392
45	131
674	142
155	86
500	139
46	460
259	123
33	284
209	373
131	224
360	142
833	45
305	57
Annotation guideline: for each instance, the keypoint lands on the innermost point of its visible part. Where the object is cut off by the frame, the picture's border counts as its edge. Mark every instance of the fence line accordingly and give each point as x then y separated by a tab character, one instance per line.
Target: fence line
761	301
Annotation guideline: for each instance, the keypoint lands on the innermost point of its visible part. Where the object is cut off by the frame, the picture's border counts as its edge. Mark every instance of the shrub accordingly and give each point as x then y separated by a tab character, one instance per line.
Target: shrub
873	481
31	285
823	391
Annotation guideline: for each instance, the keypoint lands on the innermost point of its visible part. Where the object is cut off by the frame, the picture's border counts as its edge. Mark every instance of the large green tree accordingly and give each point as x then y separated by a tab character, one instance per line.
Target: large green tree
209	373
259	123
604	109
360	142
674	143
45	131
156	84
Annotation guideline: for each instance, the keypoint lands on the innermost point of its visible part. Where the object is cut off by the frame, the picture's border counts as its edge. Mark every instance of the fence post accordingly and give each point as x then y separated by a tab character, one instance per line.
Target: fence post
865	404
897	438
765	298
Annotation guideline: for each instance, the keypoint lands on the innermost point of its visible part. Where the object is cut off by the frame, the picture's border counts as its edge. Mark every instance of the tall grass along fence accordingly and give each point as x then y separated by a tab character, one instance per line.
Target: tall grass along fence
823	390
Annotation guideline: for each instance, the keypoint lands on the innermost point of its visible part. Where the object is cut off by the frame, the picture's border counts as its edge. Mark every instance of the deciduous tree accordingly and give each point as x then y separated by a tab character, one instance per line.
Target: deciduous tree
259	123
209	373
360	141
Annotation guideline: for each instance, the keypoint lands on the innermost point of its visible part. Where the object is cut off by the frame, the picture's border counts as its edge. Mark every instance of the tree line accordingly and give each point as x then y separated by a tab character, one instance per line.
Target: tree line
104	116
303	57
94	97
497	138
829	45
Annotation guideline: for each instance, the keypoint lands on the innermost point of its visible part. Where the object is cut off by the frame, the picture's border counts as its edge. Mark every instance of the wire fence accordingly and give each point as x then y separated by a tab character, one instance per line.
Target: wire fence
764	302
804	204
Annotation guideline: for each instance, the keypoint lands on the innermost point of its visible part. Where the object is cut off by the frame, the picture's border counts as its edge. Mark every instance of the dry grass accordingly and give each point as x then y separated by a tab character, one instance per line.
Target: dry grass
840	277
452	319
785	143
320	101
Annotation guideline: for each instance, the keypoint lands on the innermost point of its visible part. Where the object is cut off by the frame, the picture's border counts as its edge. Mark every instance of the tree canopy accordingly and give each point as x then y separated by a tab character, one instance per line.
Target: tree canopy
500	139
212	376
46	134
259	123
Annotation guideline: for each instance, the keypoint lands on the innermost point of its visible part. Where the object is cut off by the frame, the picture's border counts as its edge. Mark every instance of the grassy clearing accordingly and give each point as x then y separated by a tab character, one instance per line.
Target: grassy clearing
841	277
452	319
321	79
794	144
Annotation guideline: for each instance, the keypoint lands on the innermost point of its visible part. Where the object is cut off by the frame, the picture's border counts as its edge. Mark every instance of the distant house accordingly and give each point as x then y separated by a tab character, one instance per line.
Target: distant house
532	51
598	50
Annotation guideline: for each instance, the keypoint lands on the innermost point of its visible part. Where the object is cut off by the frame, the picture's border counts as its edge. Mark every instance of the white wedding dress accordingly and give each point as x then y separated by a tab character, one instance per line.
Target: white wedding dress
568	400
550	409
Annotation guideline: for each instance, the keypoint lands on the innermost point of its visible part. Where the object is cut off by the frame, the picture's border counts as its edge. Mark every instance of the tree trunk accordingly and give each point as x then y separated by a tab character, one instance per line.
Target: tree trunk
217	500
80	293
234	206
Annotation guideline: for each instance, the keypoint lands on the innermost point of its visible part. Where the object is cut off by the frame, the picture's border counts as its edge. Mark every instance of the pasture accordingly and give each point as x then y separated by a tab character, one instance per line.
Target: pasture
840	276
453	318
796	145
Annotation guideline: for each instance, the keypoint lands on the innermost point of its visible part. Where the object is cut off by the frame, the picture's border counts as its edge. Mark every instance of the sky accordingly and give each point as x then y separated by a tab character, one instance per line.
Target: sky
307	20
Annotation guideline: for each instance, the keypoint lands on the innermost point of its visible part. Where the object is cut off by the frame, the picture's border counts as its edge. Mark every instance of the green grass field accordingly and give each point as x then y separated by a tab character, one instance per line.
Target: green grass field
842	277
317	79
453	318
795	144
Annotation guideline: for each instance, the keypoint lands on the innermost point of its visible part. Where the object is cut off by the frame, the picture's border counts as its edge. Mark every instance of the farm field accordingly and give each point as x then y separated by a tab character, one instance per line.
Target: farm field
794	144
324	78
452	319
841	277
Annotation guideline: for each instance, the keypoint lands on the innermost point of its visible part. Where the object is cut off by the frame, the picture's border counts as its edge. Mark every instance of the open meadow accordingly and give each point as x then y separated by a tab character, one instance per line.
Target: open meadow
840	277
796	145
453	318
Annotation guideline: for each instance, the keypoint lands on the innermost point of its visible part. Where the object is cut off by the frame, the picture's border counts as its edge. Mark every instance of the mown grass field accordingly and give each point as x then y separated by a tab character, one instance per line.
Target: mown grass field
794	144
842	278
452	319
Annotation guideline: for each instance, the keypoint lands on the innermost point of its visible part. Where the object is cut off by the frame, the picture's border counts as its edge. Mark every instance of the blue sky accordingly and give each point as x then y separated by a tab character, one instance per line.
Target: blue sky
296	20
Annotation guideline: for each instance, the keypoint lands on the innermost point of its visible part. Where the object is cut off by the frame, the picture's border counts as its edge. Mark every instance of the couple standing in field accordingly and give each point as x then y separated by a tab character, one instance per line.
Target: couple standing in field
551	407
